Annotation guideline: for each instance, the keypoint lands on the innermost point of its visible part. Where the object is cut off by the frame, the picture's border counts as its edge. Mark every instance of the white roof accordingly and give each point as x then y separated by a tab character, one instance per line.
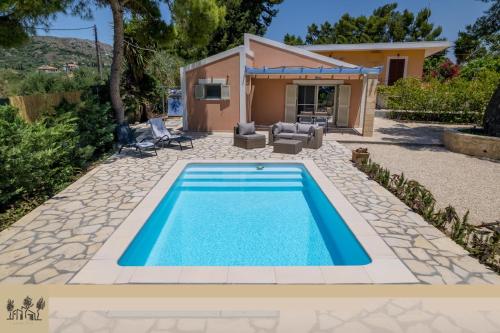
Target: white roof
429	47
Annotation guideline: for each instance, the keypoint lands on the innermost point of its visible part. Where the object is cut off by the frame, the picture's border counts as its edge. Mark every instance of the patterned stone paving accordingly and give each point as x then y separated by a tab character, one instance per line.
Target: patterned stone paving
341	315
53	242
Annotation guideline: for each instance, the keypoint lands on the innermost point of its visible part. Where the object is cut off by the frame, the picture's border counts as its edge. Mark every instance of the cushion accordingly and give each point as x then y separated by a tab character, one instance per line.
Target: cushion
254	136
304	128
284	135
145	144
289	128
300	136
276	128
246	128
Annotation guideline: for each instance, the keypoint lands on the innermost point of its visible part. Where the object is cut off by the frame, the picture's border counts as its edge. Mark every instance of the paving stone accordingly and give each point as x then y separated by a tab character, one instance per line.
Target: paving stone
419	267
70	265
68	250
6	270
8	257
93	320
420	254
448	276
32	269
45	274
423	243
444	325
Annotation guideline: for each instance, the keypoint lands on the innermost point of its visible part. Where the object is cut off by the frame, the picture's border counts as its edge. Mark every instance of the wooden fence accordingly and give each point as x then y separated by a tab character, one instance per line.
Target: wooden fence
31	107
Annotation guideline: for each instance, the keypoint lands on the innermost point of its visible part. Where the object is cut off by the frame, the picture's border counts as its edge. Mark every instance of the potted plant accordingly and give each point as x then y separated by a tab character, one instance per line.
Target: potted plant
360	155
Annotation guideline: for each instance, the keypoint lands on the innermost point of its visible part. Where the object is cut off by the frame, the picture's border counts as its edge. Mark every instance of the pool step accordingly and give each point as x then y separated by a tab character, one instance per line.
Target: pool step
246	184
243	170
243	177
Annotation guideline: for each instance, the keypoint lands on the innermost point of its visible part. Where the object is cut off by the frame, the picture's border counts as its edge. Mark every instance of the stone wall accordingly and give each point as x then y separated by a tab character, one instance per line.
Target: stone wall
469	144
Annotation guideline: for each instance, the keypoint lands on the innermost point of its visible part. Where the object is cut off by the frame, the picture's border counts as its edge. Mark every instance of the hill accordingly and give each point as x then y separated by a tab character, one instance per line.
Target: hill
54	51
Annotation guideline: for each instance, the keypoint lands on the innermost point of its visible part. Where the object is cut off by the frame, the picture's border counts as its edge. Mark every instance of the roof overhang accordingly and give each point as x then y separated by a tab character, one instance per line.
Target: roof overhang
430	47
309	70
297	50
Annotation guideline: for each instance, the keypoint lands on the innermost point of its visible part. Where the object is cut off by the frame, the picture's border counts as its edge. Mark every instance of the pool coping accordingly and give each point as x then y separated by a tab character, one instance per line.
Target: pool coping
385	267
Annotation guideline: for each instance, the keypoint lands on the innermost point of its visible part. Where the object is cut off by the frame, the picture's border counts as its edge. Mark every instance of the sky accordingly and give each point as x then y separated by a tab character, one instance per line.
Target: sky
295	15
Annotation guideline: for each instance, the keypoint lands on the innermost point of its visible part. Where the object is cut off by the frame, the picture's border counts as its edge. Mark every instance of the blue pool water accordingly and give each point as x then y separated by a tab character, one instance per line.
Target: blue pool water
244	215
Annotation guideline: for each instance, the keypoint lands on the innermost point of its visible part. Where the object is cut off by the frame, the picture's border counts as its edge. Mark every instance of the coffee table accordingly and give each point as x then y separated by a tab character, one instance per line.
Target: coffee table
287	146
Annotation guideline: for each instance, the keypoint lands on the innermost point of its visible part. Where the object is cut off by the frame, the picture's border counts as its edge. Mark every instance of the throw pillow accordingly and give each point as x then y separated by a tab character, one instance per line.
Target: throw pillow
246	128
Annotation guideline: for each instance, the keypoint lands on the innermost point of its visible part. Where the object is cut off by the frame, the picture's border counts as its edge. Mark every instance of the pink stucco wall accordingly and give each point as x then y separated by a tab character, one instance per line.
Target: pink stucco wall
269	56
268	101
214	115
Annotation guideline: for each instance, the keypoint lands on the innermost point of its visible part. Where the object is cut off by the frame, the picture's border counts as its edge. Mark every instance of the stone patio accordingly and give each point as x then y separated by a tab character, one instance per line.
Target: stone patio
56	240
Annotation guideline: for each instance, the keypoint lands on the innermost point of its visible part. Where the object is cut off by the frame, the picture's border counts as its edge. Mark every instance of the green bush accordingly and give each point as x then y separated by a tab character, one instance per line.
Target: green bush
35	159
456	100
43	83
39	159
474	68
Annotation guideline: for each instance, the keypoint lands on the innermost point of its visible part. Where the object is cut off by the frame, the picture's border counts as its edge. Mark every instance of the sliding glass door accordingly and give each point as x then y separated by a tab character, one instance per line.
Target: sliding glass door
316	99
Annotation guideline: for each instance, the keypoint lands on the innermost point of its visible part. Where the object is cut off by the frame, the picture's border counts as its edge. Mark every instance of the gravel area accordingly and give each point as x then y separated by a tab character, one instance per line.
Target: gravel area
465	182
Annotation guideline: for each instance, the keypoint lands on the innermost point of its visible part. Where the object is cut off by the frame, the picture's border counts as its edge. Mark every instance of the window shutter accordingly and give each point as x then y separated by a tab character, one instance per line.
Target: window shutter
291	103
199	91
343	108
224	92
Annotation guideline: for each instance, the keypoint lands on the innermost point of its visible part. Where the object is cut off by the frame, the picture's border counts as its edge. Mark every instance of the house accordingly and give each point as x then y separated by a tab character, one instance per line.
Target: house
267	81
47	69
71	67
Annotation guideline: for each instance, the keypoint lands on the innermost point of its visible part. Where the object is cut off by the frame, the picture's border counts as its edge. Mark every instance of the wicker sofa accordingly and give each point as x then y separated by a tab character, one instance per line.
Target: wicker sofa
248	141
310	135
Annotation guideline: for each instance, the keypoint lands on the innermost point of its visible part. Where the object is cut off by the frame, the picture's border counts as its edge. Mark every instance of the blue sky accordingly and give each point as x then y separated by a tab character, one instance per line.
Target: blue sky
295	15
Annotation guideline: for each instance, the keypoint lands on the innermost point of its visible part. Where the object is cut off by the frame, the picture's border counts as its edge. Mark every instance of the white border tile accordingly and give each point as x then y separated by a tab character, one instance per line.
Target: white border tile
385	267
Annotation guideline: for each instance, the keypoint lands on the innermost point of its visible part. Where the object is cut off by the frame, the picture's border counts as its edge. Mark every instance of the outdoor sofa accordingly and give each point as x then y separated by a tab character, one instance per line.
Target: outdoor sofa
311	135
246	137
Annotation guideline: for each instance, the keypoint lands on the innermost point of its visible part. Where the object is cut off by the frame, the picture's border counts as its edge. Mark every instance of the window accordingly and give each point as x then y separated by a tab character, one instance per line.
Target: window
213	91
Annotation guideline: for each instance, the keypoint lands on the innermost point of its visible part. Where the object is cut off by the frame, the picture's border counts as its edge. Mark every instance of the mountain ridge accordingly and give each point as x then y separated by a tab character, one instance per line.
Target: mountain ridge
54	51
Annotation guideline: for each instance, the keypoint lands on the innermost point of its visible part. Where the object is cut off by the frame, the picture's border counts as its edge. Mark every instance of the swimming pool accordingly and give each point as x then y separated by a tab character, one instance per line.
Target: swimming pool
246	214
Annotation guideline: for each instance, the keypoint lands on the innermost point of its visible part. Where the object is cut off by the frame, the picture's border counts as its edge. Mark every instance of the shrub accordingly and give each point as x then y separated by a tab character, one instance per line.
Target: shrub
37	160
476	67
480	242
43	83
456	100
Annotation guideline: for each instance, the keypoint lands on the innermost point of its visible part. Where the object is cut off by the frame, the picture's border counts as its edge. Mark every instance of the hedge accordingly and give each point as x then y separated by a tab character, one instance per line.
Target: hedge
39	159
459	99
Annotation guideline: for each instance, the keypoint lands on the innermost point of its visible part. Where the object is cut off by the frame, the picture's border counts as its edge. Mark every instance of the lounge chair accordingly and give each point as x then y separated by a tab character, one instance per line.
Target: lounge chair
163	135
126	139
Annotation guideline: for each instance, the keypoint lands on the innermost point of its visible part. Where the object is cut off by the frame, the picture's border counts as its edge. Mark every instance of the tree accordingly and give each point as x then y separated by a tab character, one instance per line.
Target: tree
10	307
482	37
386	24
242	16
40	305
164	66
27	304
193	22
18	18
293	40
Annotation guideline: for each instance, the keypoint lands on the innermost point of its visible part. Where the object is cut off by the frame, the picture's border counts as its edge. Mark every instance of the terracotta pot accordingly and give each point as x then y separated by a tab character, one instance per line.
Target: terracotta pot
359	158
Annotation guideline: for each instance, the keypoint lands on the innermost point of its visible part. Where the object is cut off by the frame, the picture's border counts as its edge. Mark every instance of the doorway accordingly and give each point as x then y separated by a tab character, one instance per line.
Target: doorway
396	69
